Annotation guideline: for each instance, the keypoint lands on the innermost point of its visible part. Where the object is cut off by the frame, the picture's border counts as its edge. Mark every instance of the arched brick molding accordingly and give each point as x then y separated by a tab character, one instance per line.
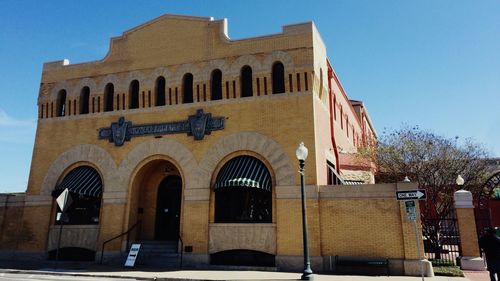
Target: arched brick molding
139	76
250	141
168	147
62	85
85	82
216	64
249	60
80	153
162	71
183	69
110	78
281	56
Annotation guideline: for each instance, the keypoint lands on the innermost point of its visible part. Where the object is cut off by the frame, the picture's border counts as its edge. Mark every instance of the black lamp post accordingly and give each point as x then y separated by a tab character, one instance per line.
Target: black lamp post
301	154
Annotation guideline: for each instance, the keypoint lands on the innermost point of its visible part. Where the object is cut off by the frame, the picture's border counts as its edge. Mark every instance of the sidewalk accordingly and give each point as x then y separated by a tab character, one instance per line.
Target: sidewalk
477	275
214	275
96	270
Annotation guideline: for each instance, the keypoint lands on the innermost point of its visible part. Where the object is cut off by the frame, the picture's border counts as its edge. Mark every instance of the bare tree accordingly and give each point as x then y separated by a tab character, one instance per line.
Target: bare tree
433	162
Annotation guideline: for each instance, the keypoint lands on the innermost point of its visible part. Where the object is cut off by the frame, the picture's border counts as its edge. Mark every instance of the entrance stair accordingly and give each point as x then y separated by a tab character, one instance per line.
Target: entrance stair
158	254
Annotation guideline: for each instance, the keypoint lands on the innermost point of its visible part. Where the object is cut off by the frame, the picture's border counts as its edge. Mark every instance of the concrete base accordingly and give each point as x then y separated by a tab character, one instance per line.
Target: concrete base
111	257
296	263
472	263
23	256
413	268
396	266
194	260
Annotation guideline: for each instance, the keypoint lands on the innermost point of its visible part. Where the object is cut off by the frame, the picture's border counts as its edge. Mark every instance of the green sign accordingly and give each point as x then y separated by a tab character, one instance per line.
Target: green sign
411	210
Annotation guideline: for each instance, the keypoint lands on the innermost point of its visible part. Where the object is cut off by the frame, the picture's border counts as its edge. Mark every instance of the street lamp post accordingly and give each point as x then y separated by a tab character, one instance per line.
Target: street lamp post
301	154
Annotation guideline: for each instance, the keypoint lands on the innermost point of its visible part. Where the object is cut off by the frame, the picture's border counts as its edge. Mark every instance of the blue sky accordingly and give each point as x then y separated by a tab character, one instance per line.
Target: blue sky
430	63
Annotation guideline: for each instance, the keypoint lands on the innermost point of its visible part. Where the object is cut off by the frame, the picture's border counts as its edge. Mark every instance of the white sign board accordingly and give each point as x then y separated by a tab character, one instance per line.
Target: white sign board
64	200
132	255
411	210
418	194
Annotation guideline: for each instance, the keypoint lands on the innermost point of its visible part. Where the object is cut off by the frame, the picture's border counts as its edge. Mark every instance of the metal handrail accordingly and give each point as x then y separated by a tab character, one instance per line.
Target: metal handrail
118	236
182	249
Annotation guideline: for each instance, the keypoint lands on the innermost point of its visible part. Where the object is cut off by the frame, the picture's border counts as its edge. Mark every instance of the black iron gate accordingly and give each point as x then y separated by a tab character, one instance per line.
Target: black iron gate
441	239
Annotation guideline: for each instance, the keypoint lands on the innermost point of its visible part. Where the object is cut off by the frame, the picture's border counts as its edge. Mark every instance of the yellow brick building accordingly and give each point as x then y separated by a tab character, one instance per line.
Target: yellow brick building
182	134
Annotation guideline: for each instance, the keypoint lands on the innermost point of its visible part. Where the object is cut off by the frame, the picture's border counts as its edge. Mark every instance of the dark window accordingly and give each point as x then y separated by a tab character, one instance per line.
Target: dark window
133	92
246	81
187	88
334	106
83	210
243	192
160	91
332	177
109	92
320	83
73	254
84	100
216	85
306	84
278	78
61	103
242	258
298	82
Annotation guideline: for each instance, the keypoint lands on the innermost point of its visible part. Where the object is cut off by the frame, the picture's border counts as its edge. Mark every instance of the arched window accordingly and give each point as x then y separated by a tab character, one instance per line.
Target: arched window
85	188
160	91
84	100
246	81
133	92
216	85
109	92
187	88
278	78
243	192
61	103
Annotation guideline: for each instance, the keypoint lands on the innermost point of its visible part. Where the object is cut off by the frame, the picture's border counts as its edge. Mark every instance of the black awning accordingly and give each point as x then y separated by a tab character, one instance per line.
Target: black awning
353	182
83	180
244	171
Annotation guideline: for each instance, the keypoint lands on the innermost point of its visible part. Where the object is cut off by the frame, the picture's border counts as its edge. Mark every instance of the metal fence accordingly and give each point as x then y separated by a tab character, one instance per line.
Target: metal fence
441	240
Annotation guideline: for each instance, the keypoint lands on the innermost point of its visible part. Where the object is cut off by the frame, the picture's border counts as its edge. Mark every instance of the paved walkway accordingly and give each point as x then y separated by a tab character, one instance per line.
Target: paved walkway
95	270
477	275
220	275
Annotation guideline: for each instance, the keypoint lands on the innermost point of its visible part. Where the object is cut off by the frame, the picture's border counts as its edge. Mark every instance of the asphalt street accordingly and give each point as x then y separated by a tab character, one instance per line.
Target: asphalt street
46	277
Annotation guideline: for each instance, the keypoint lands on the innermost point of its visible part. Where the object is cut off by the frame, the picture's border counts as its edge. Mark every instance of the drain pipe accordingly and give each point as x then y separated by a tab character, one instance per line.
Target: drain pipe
332	130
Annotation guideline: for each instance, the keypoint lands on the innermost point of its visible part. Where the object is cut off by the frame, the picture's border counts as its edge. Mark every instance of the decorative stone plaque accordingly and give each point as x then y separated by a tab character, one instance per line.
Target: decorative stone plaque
197	125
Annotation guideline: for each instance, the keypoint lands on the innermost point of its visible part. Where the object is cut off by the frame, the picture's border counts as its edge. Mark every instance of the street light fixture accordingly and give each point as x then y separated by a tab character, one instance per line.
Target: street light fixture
301	154
460	181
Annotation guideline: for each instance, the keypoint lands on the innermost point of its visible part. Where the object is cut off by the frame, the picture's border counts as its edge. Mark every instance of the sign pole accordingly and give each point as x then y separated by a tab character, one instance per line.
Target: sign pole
59	238
418	250
63	200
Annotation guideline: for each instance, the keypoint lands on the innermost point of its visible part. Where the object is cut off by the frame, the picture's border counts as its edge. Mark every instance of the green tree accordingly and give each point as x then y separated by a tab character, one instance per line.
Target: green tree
433	162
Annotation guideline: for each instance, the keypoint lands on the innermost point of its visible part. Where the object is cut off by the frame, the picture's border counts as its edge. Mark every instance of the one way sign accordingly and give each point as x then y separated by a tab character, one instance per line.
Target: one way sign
411	195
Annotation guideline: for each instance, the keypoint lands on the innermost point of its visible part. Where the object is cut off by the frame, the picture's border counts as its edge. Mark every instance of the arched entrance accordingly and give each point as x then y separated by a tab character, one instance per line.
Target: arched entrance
155	201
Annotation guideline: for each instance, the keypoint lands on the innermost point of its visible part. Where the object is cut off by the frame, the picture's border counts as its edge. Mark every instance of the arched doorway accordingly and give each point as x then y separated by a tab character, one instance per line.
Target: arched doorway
156	200
168	208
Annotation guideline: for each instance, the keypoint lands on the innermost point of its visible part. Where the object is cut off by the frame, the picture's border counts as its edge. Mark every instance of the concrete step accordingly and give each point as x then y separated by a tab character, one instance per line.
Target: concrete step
161	254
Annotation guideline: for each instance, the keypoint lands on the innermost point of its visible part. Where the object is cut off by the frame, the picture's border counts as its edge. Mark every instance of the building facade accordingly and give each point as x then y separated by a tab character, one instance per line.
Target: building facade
182	134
